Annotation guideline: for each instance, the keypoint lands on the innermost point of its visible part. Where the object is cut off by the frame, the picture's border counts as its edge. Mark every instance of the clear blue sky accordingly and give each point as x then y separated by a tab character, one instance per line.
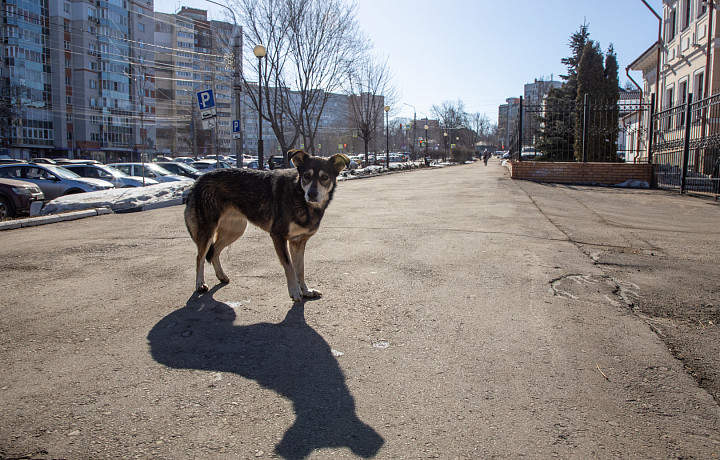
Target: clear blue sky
484	51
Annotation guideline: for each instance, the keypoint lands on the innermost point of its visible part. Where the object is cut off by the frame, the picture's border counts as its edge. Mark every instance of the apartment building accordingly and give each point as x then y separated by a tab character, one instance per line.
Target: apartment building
192	56
26	122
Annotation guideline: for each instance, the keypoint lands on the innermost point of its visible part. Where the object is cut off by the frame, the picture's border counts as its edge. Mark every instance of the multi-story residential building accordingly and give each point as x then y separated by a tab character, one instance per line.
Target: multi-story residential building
195	58
26	122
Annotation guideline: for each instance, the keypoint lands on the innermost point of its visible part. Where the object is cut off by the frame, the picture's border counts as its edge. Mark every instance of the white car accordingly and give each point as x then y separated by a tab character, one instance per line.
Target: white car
150	170
209	165
118	178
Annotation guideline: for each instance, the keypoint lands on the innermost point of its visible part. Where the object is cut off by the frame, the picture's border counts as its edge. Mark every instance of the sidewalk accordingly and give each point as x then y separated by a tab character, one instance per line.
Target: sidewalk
664	247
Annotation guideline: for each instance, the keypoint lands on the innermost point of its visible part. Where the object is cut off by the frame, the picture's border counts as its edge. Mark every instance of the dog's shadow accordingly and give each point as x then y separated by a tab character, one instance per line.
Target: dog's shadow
290	358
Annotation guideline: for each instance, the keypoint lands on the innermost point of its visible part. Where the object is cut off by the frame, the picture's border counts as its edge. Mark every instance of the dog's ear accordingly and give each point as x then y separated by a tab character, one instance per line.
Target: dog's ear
339	162
297	157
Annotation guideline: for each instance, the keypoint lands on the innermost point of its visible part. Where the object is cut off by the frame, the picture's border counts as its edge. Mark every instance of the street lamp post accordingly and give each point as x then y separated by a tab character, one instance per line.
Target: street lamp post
426	140
445	135
387	137
413	147
259	51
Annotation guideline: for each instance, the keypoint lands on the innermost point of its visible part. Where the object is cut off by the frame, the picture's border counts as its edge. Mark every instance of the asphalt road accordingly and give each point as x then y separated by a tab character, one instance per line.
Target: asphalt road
464	316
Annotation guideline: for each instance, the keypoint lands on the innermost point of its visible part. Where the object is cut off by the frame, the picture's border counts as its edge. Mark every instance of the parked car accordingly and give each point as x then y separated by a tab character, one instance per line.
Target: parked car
16	196
151	170
223	158
252	165
180	169
276	162
5	159
118	178
47	161
186	160
209	165
54	181
77	161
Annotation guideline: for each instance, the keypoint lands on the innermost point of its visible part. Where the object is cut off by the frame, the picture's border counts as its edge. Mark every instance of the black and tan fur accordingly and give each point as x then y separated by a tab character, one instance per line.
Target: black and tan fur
289	204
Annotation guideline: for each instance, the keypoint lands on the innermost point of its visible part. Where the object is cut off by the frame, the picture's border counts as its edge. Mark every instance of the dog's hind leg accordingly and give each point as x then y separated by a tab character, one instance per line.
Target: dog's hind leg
203	241
281	248
202	236
297	252
230	227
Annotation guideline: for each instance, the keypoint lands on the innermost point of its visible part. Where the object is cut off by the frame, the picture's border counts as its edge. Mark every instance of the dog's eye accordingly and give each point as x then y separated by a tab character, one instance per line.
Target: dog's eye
324	177
307	176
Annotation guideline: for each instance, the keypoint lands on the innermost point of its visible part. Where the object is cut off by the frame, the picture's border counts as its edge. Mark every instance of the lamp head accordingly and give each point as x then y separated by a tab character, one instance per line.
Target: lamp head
259	51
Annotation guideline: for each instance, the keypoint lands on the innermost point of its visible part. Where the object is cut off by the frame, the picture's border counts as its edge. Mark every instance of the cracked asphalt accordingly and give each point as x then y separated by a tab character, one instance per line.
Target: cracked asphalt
465	315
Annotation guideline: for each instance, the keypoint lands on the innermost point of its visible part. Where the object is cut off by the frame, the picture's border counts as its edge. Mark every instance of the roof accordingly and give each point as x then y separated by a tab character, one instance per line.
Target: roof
647	61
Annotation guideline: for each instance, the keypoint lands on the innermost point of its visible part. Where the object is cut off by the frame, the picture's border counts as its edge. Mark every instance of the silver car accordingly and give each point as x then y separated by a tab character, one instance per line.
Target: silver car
150	170
110	174
54	181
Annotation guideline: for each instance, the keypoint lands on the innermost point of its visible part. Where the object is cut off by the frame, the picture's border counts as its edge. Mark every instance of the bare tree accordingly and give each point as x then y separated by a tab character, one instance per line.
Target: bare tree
370	90
310	45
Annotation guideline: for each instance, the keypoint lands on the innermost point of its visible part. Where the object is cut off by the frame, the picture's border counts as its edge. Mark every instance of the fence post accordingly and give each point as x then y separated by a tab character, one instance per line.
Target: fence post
686	145
651	129
520	130
586	125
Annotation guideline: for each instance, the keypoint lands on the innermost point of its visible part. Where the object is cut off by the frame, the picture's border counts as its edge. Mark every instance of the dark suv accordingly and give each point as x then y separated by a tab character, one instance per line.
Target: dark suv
16	196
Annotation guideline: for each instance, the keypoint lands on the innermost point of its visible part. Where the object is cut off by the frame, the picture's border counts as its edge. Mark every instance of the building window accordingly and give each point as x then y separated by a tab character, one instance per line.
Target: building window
67	63
68	99
671	24
701	7
93	84
66	7
141	27
686	15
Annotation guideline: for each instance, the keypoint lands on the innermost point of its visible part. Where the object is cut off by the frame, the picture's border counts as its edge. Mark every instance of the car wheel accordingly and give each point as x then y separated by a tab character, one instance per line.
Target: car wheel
6	208
73	191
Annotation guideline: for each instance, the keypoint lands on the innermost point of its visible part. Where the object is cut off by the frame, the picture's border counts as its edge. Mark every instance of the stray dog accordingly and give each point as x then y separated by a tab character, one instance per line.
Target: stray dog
289	204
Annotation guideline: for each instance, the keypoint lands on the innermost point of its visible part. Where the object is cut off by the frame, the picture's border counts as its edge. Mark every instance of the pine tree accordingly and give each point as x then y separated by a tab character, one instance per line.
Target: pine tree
556	137
591	82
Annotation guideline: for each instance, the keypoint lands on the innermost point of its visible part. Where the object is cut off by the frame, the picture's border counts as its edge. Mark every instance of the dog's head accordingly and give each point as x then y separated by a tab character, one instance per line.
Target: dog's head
318	175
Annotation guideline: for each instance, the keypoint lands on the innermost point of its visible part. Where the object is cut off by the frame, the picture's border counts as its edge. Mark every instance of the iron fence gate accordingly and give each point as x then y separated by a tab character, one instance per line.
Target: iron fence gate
686	146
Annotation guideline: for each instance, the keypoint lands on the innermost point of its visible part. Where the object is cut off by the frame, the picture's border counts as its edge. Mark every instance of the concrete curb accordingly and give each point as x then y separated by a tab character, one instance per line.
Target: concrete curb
42	220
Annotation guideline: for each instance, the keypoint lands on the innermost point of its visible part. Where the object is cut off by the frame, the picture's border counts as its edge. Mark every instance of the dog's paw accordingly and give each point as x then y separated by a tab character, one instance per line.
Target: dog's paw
295	293
202	288
311	294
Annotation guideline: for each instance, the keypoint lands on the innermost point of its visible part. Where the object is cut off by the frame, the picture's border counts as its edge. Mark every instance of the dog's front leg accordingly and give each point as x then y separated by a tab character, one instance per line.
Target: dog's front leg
297	252
281	248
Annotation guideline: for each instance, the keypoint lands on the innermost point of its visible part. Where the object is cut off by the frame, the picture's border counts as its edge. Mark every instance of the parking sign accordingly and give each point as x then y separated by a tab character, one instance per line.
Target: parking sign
206	101
236	129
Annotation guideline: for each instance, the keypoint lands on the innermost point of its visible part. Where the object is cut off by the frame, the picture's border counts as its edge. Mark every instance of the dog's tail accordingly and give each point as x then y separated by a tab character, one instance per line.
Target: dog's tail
210	253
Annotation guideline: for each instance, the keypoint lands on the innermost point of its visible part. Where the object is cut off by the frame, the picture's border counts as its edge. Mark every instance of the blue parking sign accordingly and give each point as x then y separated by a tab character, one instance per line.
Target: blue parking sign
236	126
206	99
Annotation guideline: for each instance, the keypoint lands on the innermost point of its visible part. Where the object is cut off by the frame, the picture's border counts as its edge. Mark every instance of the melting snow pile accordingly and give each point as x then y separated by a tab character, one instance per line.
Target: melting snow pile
120	199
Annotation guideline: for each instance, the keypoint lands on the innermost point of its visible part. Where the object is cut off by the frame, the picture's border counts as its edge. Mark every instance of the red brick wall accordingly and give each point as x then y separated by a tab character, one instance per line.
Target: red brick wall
580	173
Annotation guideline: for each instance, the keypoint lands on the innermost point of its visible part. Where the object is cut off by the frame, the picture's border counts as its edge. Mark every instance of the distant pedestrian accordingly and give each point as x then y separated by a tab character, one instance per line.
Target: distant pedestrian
486	157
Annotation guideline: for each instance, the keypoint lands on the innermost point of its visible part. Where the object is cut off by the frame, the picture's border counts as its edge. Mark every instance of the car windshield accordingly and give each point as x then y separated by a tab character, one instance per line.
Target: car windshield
112	171
187	168
159	170
61	172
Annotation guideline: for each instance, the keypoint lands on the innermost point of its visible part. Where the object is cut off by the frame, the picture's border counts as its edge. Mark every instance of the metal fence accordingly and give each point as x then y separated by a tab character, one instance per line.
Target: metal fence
683	142
583	131
686	146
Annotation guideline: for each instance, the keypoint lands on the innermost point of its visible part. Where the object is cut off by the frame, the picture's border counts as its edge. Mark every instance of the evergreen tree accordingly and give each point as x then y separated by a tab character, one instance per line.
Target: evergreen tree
556	136
590	82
